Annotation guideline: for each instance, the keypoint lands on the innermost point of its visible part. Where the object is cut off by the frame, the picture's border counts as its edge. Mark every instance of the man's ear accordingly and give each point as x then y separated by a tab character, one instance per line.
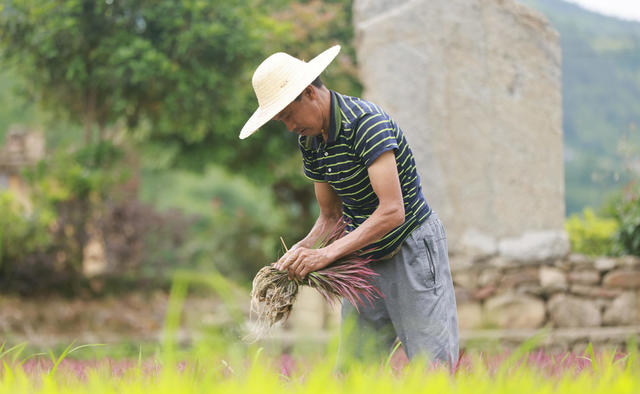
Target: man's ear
310	91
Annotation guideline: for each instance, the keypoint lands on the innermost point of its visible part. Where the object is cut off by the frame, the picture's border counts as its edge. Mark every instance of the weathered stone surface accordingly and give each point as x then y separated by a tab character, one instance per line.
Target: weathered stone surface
584	277
460	262
514	311
470	316
463	294
533	289
519	277
478	244
622	278
578	259
502	262
484	292
595	291
622	311
552	279
468	81
605	264
535	246
489	277
568	311
563	264
629	261
466	279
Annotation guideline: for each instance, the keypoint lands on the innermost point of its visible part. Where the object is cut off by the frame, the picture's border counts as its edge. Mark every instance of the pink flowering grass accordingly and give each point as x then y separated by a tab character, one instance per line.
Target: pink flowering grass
551	365
273	293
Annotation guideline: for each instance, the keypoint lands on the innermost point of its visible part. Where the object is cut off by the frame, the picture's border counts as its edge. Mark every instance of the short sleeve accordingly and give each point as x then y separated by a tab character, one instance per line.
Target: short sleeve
309	163
375	134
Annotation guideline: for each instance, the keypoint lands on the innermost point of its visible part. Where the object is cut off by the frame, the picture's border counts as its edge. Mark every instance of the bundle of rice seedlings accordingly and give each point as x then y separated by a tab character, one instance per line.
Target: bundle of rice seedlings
273	293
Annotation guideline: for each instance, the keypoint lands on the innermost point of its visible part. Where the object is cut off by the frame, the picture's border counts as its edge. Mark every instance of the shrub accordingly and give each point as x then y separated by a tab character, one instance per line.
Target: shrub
21	234
591	234
236	224
625	209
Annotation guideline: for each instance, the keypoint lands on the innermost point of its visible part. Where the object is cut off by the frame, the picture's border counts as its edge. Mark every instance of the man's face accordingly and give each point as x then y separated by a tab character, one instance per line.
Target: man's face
303	116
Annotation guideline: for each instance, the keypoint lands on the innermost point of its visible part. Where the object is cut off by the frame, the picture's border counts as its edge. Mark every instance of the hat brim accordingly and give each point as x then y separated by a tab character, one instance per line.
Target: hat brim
314	68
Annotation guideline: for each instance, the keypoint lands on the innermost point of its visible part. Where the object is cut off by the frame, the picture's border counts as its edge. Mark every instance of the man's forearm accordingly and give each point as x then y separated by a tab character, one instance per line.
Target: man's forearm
383	220
321	228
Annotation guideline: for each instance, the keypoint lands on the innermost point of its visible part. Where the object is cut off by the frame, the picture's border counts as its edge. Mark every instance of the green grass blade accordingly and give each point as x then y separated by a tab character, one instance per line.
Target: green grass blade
140	359
632	353
591	356
524	349
17	349
30	356
86	346
393	351
56	362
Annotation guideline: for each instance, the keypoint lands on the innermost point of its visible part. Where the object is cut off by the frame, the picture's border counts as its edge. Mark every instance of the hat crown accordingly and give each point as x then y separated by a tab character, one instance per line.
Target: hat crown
274	75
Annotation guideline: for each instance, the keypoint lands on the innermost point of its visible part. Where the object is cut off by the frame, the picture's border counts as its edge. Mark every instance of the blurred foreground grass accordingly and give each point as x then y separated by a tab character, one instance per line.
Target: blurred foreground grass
521	371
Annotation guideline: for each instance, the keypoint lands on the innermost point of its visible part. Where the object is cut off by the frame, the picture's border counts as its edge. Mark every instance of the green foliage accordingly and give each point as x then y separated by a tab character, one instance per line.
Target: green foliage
625	209
170	81
175	73
88	173
591	234
237	224
67	192
21	233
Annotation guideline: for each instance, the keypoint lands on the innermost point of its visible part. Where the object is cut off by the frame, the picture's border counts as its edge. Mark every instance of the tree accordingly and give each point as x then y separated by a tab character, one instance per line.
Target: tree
172	78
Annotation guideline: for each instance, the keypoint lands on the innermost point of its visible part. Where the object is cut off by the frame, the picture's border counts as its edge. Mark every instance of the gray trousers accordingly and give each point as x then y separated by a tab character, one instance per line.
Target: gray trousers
418	306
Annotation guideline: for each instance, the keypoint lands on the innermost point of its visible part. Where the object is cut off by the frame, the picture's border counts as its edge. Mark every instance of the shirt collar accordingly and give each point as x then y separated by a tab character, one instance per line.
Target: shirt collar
335	124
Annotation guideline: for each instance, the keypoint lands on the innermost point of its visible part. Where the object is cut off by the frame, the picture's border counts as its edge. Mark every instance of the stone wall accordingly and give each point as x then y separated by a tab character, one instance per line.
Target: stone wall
576	291
476	87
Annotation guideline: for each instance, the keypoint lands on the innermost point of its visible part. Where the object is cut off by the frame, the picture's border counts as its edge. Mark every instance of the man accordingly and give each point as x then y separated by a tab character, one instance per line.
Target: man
363	170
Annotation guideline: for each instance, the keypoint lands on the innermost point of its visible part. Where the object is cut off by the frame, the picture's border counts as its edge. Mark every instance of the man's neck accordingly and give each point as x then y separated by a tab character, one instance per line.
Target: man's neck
325	103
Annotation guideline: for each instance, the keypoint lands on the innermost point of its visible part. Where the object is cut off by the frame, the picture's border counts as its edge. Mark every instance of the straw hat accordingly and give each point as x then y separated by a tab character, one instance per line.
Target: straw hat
278	80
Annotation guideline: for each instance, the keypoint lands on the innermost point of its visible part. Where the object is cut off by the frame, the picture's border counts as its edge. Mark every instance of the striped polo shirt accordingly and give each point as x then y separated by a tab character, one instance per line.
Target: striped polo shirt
359	132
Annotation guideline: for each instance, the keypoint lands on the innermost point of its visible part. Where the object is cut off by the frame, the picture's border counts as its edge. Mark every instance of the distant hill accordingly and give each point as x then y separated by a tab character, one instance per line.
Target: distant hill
601	98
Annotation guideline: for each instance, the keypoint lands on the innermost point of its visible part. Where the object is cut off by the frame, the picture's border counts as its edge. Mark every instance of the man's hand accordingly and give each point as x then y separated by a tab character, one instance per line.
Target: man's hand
301	261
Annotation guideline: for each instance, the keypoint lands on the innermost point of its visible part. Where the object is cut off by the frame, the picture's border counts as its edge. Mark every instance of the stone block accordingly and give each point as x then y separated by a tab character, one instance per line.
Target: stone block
515	278
595	291
478	244
622	278
512	310
552	279
584	277
484	292
623	310
466	279
460	263
463	295
629	261
470	316
605	264
489	277
535	246
569	311
578	259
